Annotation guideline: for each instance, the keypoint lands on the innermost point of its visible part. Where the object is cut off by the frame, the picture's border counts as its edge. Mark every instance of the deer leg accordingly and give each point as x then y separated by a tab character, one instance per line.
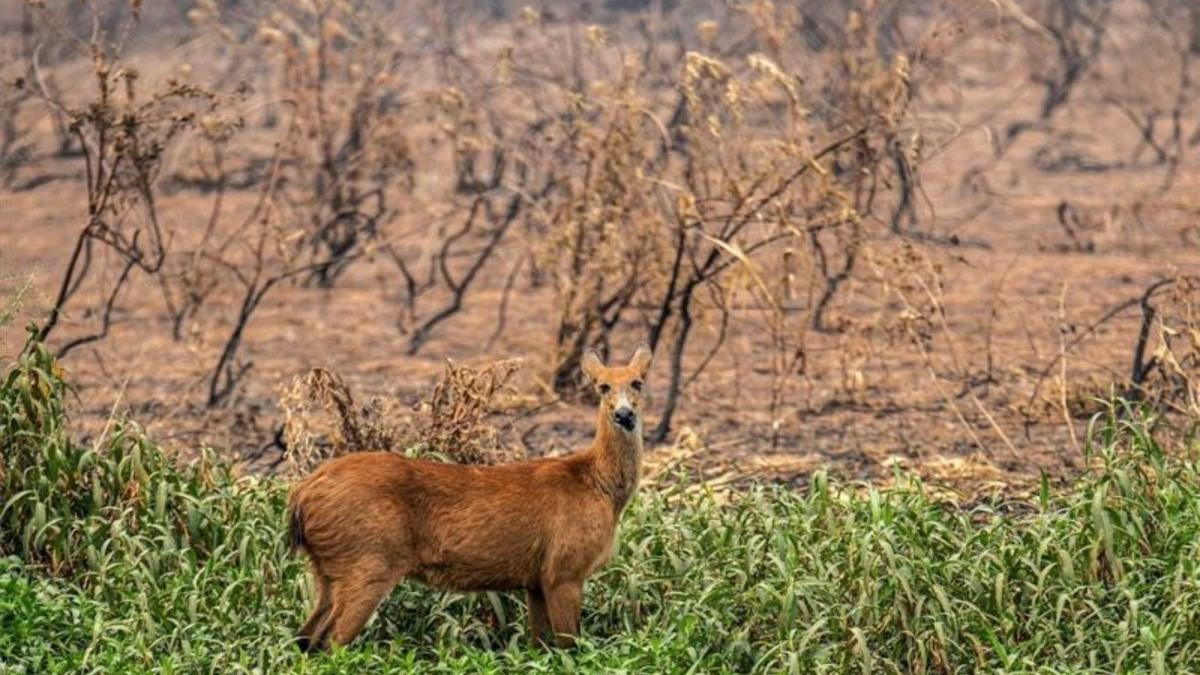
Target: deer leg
355	598
320	613
563	602
320	635
539	623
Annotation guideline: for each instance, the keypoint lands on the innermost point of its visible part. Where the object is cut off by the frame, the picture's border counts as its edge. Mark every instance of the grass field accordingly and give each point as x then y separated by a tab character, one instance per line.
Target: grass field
116	560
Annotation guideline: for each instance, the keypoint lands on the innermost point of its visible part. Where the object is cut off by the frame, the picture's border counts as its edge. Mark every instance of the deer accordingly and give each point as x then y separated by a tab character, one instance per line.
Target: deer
368	520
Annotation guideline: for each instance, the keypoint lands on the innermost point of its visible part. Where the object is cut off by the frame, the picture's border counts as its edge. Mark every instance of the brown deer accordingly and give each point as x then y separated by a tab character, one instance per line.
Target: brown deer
368	520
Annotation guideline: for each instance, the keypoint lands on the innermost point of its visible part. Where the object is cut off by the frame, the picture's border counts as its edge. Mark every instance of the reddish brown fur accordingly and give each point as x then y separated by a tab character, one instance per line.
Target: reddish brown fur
371	519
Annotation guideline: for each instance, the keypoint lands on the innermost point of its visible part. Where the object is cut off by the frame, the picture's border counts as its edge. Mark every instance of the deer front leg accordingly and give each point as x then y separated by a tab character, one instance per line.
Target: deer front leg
563	603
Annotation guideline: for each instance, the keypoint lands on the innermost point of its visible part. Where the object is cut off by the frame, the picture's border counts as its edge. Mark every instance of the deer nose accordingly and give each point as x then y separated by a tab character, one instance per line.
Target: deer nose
625	417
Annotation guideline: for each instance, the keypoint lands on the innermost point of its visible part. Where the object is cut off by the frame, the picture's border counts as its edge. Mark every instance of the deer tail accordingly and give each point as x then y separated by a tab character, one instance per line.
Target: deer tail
296	541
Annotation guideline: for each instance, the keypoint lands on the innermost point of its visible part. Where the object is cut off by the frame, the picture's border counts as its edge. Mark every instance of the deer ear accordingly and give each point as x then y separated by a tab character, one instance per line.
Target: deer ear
591	364
641	358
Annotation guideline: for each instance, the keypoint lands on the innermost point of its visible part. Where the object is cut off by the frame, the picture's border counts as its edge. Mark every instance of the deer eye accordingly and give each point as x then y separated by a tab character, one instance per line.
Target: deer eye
636	384
604	388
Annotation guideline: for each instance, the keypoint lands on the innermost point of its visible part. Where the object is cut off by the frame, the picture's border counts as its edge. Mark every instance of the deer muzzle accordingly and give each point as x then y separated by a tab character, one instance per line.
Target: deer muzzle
625	418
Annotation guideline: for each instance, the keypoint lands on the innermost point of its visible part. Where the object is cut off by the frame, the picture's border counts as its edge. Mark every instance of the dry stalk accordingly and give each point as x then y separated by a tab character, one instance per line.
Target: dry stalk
1062	362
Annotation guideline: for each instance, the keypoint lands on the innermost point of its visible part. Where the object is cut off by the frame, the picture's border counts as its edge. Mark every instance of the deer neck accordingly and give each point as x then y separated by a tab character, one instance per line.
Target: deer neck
616	461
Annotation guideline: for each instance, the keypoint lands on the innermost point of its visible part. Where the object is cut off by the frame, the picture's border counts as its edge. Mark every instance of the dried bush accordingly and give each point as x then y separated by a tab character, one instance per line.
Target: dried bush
733	177
16	141
455	415
340	70
123	135
323	420
1165	369
739	182
1066	39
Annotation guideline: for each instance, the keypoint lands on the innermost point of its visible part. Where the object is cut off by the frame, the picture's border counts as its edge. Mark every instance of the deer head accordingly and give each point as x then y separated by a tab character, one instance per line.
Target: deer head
620	388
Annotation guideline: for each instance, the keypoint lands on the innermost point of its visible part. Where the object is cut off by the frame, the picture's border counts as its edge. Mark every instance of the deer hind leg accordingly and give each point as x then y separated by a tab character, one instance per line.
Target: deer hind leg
539	622
563	602
355	598
306	637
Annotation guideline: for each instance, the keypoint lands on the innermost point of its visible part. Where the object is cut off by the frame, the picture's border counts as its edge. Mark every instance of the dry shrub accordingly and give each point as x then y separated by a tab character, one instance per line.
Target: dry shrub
124	128
322	418
1164	370
708	193
1169	379
455	416
16	145
605	231
339	68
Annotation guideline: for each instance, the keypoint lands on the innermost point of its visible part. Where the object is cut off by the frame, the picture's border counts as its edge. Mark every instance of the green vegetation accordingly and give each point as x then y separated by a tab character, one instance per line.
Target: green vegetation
119	560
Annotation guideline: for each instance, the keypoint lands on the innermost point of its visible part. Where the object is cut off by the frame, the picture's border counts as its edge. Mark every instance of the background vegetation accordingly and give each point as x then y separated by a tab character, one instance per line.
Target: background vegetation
856	233
120	560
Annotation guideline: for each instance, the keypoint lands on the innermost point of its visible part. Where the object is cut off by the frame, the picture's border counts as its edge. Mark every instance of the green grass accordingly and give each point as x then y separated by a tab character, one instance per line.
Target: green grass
114	559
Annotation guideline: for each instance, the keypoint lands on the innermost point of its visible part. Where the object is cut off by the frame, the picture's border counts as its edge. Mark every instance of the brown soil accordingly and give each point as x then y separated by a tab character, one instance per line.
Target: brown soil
1016	287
